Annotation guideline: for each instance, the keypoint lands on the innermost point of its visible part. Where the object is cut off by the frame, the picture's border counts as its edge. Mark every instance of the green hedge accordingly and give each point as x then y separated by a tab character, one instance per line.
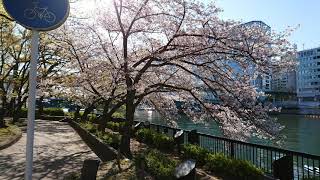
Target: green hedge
155	139
46	112
53	112
158	164
221	164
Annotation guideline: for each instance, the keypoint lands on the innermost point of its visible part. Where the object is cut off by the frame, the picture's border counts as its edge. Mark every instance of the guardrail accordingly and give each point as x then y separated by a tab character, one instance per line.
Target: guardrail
305	166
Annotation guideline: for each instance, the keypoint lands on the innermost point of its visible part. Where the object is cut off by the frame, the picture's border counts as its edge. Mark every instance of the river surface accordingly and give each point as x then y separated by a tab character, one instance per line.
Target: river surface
302	132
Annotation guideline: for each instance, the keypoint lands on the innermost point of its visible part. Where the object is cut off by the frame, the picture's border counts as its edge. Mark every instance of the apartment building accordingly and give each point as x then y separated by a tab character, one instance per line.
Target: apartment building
284	82
308	75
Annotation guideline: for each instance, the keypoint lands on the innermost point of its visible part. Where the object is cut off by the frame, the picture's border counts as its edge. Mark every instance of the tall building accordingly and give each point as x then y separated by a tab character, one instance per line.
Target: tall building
284	82
308	75
262	82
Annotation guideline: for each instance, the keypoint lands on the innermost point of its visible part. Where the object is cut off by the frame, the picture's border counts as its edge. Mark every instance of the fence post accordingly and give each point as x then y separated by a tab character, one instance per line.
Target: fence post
165	130
193	137
179	139
283	168
147	124
232	149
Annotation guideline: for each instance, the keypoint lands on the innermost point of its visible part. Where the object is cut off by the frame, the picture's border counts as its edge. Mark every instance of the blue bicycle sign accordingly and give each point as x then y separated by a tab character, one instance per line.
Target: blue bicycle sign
41	15
39	12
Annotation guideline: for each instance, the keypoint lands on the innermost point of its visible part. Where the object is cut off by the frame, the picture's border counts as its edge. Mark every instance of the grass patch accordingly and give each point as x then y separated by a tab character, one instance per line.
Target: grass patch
8	132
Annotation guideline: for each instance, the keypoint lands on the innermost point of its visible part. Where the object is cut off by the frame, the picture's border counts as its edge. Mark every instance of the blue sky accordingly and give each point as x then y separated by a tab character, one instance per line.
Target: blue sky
279	14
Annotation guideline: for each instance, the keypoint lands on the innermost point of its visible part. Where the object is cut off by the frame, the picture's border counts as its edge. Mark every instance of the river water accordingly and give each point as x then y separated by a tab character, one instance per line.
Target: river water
302	132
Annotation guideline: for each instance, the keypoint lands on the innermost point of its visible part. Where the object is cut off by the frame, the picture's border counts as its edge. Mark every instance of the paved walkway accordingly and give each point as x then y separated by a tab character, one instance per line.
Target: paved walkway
58	151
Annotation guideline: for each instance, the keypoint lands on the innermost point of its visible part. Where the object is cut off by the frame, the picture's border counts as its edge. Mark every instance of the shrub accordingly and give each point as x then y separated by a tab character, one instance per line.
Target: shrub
221	164
120	113
92	128
155	139
163	142
109	138
145	135
246	170
115	126
198	153
70	114
157	164
53	112
225	166
92	117
218	163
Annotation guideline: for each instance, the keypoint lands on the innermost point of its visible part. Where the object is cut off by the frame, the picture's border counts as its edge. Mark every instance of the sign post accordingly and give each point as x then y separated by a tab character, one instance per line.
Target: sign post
32	103
36	15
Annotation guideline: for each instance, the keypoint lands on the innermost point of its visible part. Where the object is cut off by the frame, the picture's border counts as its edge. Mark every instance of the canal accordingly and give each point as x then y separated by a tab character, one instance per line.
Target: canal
302	133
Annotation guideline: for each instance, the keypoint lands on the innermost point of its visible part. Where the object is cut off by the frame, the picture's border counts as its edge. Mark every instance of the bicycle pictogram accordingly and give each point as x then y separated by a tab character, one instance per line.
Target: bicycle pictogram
39	12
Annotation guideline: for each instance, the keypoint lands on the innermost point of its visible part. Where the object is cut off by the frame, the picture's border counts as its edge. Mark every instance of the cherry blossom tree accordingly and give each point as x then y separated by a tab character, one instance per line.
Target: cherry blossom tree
161	52
176	50
89	79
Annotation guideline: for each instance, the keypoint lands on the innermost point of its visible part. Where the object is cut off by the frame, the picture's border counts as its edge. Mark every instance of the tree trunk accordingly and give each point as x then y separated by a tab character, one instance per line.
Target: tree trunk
130	109
86	112
3	112
11	107
18	107
104	118
40	106
17	112
77	113
2	123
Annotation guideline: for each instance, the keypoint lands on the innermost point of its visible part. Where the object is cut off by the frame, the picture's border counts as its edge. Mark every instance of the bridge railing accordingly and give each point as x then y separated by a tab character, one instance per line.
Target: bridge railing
305	166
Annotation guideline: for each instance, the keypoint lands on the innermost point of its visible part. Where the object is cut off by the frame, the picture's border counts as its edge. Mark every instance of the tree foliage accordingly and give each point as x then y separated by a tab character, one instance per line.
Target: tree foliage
160	52
14	66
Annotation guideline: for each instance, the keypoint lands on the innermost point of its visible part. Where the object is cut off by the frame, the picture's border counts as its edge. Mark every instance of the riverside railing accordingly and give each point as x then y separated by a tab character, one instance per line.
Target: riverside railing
305	166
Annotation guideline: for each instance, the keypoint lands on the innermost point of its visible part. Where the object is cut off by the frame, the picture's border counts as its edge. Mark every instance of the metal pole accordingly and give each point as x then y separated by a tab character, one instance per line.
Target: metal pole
31	103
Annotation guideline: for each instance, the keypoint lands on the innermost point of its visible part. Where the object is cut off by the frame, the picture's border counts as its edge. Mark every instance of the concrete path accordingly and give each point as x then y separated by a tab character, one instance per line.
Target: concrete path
58	151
